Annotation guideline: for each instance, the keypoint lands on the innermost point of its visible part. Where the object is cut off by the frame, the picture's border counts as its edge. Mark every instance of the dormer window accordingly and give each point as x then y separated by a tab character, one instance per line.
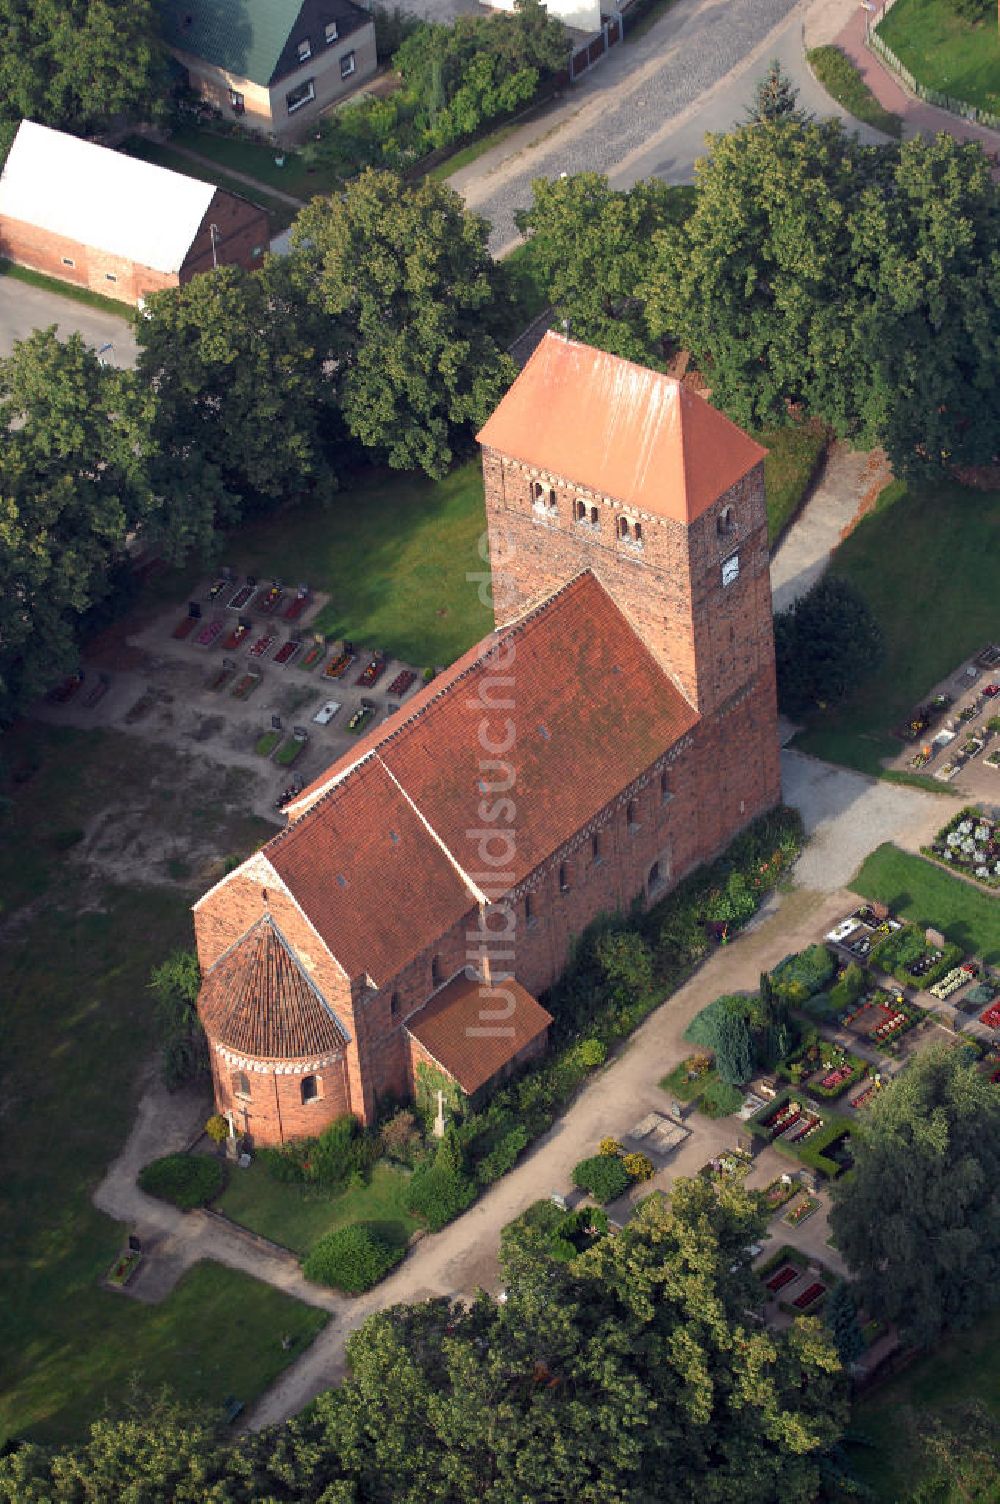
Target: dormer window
330	32
304	50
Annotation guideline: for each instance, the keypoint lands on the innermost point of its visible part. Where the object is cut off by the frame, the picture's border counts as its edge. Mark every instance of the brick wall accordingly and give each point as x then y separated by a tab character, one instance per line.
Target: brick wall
274	1110
243	234
113	276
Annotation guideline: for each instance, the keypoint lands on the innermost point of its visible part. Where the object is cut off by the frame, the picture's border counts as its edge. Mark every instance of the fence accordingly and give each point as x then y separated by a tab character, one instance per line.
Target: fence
591	52
958	107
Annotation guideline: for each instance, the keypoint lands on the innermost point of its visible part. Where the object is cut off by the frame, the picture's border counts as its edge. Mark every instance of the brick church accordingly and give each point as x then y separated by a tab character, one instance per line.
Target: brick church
614	731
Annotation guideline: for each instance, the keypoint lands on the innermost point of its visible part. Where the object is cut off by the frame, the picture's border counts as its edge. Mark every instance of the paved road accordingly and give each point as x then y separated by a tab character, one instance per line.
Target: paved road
24	308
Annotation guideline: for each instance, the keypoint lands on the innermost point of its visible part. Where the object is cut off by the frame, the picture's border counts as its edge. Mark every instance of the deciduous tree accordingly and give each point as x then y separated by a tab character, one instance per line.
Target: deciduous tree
918	1219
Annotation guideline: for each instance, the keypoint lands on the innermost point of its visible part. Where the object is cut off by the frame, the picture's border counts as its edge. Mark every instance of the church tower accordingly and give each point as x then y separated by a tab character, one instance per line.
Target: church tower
591	462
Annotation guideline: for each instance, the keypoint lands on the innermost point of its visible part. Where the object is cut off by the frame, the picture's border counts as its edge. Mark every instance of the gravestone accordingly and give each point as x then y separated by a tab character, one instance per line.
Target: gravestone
935	938
276	723
134	1243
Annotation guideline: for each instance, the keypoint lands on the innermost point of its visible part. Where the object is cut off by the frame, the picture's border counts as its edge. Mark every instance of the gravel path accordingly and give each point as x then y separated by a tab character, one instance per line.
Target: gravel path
630	97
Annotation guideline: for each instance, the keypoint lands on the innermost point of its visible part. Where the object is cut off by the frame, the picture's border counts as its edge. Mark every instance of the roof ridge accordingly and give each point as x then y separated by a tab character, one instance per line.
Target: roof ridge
476	892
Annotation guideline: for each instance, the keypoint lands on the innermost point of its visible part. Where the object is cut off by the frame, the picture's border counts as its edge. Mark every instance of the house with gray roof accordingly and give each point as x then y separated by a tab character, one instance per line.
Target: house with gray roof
271	65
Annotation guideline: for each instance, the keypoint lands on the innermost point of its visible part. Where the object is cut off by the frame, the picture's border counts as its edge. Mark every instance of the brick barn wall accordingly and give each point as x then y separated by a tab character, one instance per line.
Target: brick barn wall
42	251
242	228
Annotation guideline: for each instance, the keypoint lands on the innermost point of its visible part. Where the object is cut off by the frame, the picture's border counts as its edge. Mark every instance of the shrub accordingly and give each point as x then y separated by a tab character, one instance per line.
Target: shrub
733	904
704	1027
217	1128
639	1166
603	1176
438	1195
609	1146
186	1180
502	1156
799	976
337	1153
174	984
592	1053
733	1050
399	1135
847	988
719	1099
825	644
351	1258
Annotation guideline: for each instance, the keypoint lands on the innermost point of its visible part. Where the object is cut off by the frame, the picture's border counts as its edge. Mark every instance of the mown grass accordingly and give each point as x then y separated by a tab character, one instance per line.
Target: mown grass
928	563
945	52
395	552
298	177
963	1368
78	1027
920	891
64	289
842	81
296	1215
471	153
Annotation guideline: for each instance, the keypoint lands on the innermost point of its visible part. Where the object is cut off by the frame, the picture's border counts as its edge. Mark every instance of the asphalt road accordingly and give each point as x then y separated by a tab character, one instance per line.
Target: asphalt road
24	308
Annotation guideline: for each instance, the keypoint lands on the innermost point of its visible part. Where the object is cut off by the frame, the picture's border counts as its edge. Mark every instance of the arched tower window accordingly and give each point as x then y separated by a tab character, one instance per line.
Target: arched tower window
637	532
595	517
664	787
563	878
725	523
632	815
437	976
529	909
580	511
595	846
241	1084
623	527
309	1088
394	1005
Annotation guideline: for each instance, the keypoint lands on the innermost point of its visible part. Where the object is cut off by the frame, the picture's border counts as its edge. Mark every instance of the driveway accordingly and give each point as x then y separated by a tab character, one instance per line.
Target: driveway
24	308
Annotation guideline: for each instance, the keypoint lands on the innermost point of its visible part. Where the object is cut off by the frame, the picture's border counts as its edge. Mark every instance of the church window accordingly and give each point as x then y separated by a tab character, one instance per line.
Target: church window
580	511
394	1005
595	517
309	1089
241	1084
529	909
437	976
731	570
595	846
563	878
632	815
725	523
623	528
664	787
637	532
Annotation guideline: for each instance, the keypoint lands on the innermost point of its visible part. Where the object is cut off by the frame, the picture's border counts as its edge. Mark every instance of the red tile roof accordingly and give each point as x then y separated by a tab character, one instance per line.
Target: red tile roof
473	1030
620	430
258	1001
381	846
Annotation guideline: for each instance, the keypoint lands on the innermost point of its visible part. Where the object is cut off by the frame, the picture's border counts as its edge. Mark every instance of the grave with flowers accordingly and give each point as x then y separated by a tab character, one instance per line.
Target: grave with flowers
969	844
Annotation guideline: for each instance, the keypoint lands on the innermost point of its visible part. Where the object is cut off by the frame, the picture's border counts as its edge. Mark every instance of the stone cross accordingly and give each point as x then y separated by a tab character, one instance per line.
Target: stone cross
439	1120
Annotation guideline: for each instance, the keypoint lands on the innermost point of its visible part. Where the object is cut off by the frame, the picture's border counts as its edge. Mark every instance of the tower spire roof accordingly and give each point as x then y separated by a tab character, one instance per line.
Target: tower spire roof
621	430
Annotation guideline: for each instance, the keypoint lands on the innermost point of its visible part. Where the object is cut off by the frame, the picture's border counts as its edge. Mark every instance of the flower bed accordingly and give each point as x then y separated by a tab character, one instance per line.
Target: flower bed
372	672
209	633
123	1268
991	1016
241	598
290	751
839	1078
269	599
925	716
970	842
297	607
955	979
267	743
262	646
359	720
246	684
184	628
908	957
801	1211
223	582
864	1098
881	1019
219	680
337	667
402	682
287	652
810	1295
781	1278
235	637
780	1191
313	655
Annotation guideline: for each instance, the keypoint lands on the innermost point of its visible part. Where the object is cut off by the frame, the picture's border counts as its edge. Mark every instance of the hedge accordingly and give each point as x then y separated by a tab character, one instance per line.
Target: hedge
603	1175
352	1258
186	1180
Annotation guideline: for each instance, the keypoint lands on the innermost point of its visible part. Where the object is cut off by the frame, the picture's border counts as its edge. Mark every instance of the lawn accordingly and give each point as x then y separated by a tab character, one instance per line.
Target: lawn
928	563
395	552
296	1216
842	81
962	1368
64	289
794	454
918	890
281	214
297	177
945	52
78	1027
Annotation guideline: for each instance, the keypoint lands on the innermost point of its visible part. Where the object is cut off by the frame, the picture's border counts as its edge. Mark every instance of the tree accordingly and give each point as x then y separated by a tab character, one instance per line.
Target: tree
626	965
405	274
733	1049
757	282
594	249
961	1455
73	486
824	645
918	1219
840	1314
776	98
80	65
627	1373
241	399
184	1049
929	304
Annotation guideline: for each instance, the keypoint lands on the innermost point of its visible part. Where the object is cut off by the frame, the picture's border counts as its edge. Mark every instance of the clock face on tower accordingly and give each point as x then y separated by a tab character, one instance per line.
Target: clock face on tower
731	569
